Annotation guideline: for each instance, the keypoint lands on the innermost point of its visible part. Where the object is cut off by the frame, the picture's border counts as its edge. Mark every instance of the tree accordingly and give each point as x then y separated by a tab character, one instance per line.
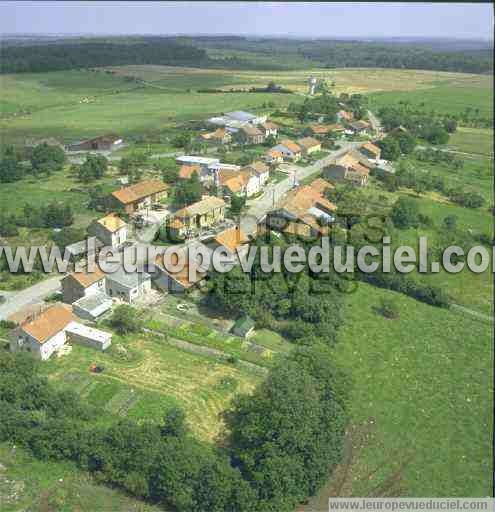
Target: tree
10	166
287	460
407	142
450	125
405	213
125	320
168	168
390	148
237	203
47	159
93	168
181	140
174	423
436	135
188	191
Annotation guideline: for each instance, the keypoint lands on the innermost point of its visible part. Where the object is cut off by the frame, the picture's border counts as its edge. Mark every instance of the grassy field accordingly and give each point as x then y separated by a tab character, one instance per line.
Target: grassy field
477	141
53	104
421	402
445	96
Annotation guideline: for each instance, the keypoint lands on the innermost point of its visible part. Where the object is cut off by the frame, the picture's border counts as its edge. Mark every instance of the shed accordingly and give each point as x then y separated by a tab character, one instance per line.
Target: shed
243	327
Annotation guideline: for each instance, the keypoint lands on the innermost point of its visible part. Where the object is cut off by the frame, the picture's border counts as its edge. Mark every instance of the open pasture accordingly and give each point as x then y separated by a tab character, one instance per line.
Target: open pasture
421	402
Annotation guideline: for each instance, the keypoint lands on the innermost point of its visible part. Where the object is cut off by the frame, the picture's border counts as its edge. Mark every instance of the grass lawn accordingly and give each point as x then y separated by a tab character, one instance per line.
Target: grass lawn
421	404
30	484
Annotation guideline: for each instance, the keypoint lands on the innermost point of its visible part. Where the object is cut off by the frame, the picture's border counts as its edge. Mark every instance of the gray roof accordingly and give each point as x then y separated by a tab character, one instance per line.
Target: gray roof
78	248
95	303
240	115
127	279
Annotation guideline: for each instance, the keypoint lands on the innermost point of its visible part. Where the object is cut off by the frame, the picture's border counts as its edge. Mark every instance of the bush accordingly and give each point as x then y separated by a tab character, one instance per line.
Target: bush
405	213
124	319
389	308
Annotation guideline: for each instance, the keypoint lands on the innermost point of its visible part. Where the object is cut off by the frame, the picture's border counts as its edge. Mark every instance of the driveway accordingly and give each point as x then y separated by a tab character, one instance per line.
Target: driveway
32	295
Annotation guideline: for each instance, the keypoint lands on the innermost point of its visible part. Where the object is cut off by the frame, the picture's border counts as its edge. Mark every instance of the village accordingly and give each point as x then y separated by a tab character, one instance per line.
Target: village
284	190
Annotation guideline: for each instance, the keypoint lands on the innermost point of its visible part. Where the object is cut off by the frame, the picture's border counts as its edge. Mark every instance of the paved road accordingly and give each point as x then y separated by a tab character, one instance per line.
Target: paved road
274	193
31	295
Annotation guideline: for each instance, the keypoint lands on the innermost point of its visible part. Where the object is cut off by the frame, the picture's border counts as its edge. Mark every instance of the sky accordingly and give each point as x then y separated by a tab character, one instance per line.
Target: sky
245	18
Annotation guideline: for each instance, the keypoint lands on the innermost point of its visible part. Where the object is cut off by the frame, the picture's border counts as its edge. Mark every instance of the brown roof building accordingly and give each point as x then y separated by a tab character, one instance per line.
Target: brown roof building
309	145
140	195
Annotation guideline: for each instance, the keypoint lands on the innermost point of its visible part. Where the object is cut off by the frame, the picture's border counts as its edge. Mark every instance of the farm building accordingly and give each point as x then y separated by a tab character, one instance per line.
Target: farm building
360	126
202	161
102	143
44	333
203	214
219	136
93	306
371	151
309	145
343	115
234	240
305	211
269	128
250	135
83	249
237	119
348	168
139	196
110	230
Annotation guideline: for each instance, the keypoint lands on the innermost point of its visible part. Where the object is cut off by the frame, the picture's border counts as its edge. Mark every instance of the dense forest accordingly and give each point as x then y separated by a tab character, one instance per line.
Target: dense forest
56	57
238	53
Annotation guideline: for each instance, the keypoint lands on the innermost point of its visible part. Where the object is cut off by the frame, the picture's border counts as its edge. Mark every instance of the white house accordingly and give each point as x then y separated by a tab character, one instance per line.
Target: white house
45	333
82	284
111	230
261	170
127	286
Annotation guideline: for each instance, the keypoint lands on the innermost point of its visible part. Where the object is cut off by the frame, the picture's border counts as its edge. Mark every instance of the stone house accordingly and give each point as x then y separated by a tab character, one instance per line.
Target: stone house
250	135
289	149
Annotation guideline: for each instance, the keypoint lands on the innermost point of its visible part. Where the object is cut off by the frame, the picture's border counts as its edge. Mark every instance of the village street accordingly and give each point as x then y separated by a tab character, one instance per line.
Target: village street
273	194
257	209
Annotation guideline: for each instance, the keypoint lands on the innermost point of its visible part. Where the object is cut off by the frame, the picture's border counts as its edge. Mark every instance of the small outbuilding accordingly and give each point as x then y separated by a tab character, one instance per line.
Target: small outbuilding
244	327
